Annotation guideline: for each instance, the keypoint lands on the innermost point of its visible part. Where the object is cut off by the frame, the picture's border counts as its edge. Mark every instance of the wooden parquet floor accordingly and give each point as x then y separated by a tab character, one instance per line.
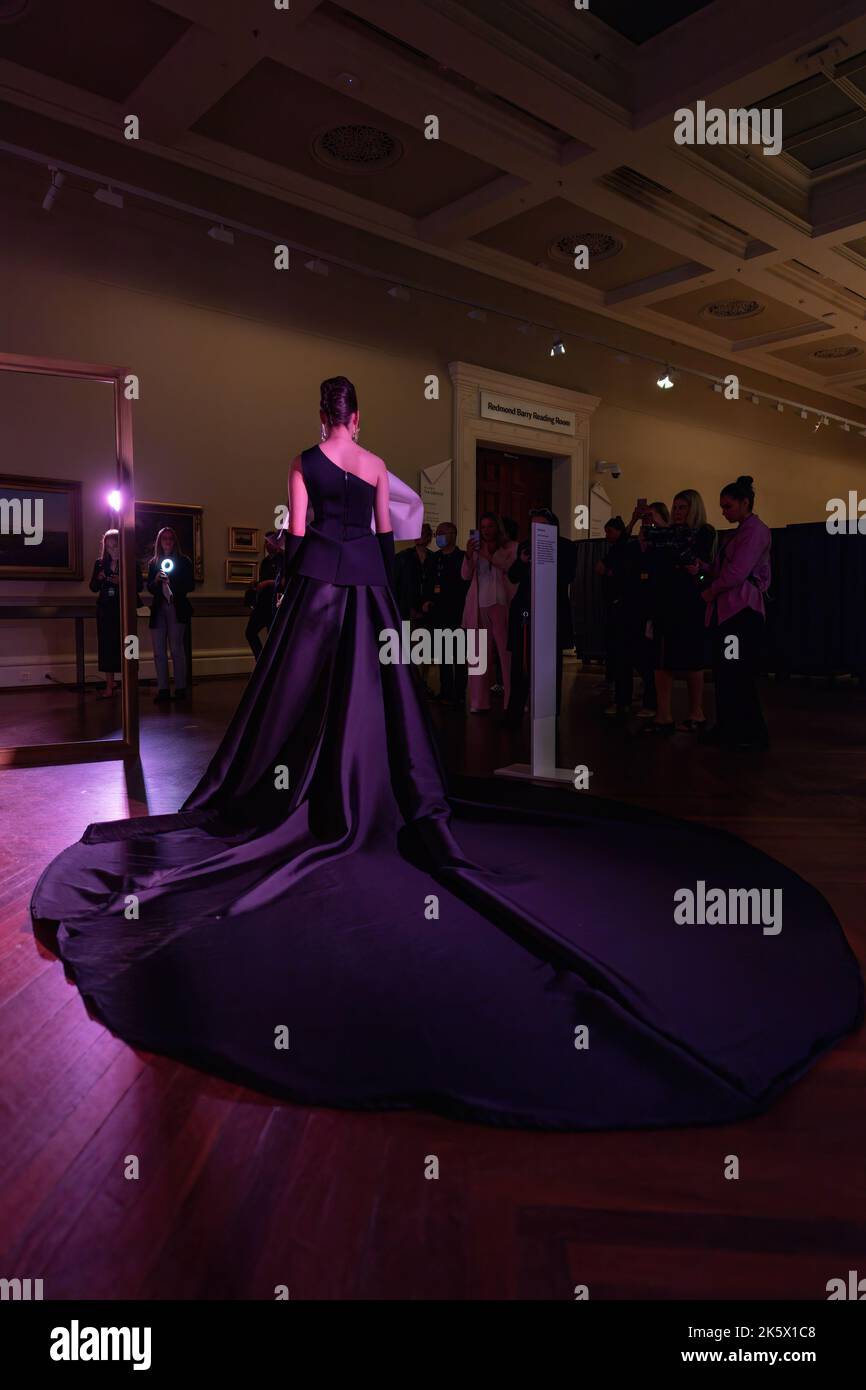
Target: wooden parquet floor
237	1194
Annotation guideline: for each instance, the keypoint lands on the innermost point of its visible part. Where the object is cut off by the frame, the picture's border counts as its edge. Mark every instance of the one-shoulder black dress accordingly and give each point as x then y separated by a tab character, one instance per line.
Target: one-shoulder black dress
322	921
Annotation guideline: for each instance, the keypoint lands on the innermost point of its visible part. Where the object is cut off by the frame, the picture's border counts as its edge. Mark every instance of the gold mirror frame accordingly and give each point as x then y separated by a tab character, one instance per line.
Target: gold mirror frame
100	749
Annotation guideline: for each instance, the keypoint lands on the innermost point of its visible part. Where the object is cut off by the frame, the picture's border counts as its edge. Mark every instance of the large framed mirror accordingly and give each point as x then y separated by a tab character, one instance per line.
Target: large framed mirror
66	484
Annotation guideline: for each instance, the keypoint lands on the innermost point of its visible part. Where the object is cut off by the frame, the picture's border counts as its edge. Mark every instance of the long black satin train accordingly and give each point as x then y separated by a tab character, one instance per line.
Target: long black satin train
511	965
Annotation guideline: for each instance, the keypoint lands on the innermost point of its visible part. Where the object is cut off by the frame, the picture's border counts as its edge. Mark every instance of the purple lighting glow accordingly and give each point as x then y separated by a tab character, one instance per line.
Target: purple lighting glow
114	500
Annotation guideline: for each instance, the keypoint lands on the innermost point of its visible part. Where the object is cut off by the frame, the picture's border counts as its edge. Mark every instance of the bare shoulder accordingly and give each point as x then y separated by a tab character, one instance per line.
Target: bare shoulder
372	466
295	465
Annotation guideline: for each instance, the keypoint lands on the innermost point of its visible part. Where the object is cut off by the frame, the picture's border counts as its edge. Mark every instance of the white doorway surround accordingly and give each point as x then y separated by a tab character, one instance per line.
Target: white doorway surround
534	418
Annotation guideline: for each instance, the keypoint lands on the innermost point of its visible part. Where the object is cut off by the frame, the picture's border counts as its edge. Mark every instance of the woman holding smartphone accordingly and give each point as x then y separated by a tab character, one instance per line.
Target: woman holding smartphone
489	556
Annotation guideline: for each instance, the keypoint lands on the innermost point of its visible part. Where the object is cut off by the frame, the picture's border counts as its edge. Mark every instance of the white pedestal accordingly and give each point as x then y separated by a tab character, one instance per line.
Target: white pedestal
542	690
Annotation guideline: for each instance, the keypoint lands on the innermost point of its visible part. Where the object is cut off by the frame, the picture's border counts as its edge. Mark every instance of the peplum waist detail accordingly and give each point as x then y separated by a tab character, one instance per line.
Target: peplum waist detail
355	560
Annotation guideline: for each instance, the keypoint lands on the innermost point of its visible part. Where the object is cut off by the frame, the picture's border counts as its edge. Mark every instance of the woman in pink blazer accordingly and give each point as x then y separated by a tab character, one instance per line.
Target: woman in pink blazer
489	556
739	577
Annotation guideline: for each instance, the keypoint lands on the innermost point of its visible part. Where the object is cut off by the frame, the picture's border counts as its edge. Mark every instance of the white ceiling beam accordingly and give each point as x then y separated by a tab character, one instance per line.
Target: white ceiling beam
83	110
394	86
192	76
685	174
726	43
497	63
261	20
497	201
66	103
325	49
662	286
839	205
785	337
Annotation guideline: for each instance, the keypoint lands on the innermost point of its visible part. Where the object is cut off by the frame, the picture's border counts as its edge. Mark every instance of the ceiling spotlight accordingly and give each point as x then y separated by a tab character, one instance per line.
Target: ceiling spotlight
804	414
399	292
756	400
558	348
846	427
779	407
350	81
477	314
58	179
114	500
717	386
317	267
665	383
108	195
222	234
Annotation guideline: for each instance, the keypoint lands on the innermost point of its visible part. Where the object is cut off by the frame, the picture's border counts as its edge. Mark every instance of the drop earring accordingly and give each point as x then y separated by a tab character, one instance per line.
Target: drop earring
323	433
355	434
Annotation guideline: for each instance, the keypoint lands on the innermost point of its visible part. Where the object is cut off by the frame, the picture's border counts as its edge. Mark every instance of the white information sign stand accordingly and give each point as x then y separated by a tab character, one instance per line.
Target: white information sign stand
543	639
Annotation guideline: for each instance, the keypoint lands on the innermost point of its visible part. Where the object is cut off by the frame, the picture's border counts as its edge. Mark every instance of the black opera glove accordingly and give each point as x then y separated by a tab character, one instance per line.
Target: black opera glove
386	546
290	554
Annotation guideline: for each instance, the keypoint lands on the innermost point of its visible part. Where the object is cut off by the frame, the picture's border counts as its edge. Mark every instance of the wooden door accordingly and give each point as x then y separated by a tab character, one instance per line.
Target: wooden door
511	484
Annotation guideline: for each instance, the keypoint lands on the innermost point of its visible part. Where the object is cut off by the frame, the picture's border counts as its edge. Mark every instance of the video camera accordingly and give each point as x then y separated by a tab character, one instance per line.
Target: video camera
675	543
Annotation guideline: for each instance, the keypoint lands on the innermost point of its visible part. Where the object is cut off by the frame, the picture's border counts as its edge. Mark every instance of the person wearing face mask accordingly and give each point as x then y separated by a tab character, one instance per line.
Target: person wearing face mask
443	594
735	615
409	567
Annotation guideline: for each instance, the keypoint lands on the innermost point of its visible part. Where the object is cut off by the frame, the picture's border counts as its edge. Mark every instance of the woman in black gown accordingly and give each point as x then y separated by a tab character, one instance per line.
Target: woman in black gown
105	583
319	888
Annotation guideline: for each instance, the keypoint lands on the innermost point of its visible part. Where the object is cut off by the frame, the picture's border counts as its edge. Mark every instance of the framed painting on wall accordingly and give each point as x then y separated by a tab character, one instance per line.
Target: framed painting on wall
244	540
185	519
40	528
244	572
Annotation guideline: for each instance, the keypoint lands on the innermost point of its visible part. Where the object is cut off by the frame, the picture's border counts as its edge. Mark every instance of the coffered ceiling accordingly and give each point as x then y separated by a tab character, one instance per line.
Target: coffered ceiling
556	128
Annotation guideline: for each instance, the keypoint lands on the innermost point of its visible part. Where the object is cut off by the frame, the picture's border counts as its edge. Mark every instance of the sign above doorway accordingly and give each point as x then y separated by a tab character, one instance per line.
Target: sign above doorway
532	416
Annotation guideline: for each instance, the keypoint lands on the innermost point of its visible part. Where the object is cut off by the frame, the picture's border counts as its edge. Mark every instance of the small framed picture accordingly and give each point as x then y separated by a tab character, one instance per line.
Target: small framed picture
242	572
244	540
